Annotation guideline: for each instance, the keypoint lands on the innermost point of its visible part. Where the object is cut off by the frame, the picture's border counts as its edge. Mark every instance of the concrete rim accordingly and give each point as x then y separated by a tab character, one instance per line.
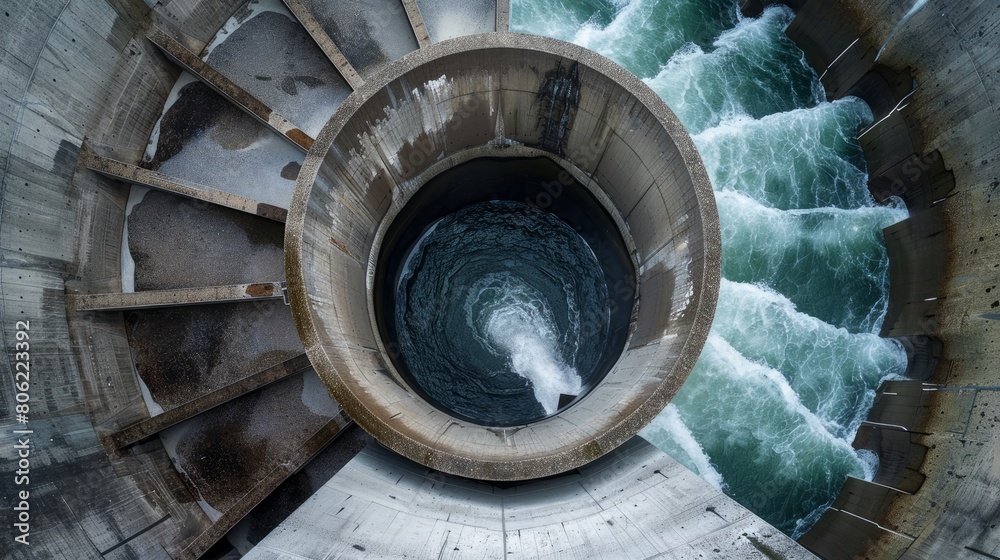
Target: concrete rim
615	432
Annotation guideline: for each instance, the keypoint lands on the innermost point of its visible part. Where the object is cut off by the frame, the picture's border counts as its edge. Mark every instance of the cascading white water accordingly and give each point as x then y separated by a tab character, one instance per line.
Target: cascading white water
793	361
520	327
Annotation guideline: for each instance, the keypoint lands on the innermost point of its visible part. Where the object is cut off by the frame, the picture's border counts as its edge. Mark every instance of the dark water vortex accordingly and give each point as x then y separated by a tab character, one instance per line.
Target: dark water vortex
500	309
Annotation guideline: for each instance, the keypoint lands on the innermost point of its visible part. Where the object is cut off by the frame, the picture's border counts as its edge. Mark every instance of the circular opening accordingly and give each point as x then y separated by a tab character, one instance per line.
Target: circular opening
468	122
503	291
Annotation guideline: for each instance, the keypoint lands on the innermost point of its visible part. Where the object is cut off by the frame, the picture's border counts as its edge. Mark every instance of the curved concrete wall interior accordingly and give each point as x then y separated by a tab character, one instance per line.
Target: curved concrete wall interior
617	114
213	451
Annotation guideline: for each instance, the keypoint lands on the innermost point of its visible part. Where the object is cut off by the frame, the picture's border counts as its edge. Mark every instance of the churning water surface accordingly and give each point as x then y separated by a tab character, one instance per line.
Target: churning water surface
500	311
793	360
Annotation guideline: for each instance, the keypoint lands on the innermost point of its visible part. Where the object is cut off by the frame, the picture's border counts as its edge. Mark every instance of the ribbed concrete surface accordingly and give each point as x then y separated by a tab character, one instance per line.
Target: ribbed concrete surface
941	150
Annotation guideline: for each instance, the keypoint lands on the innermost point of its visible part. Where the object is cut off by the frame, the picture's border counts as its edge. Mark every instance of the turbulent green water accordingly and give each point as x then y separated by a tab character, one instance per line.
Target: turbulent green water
792	363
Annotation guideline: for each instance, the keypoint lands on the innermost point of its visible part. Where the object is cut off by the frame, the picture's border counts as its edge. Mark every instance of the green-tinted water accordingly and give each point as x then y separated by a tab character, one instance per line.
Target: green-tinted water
792	363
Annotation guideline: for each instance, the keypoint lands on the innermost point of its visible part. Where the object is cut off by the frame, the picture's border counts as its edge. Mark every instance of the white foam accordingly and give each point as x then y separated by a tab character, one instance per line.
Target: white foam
612	40
805	158
745	371
668	428
869	462
694	77
835	371
525	331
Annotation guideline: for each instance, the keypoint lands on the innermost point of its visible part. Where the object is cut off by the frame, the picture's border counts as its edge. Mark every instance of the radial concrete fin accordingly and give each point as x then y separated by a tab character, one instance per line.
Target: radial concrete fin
175	50
325	42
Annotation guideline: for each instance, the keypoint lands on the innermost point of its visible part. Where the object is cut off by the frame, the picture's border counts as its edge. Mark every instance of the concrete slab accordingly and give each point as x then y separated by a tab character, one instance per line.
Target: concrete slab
617	507
243	99
184	353
204	245
369	33
266	51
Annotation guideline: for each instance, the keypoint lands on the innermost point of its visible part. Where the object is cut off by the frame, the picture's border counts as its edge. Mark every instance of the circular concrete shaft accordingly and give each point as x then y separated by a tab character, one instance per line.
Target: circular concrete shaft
503	96
507	302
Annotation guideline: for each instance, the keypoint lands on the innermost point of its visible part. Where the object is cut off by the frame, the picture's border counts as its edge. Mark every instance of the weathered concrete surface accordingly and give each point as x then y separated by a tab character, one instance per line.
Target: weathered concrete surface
203	138
369	33
182	243
298	488
916	248
634	503
380	147
70	69
59	81
184	352
269	54
236	454
155	424
220	83
325	43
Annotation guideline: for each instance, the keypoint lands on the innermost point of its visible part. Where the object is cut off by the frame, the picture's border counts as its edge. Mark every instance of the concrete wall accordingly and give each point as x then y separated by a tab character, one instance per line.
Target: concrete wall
61	78
72	69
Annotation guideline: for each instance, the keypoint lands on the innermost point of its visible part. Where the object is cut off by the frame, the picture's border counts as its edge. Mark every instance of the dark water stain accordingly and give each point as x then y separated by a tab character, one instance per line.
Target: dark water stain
183	353
558	100
230	131
222	461
280	56
291	171
65	160
356	38
289	87
197	110
309	81
175	350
